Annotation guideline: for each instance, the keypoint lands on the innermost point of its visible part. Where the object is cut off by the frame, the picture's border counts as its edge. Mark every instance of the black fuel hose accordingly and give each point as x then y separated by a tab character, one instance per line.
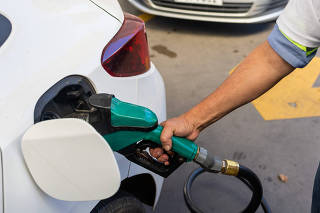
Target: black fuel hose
246	176
257	191
187	190
264	204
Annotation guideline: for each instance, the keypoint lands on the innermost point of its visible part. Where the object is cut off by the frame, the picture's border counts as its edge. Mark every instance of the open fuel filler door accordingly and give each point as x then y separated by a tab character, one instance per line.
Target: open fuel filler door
69	160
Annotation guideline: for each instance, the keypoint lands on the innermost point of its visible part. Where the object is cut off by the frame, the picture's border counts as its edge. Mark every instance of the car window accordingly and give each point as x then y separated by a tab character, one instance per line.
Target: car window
5	29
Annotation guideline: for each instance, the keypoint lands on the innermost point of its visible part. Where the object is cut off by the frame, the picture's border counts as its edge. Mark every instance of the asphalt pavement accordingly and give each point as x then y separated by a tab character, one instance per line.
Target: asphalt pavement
194	58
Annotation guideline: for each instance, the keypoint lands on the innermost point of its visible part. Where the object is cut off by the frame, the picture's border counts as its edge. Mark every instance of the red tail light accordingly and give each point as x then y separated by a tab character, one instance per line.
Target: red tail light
127	53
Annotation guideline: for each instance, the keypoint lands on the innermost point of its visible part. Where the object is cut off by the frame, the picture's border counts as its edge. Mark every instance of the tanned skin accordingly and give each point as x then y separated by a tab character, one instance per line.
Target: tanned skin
256	74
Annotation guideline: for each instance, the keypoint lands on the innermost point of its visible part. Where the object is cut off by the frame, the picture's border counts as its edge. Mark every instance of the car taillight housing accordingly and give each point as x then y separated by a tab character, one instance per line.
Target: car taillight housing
127	53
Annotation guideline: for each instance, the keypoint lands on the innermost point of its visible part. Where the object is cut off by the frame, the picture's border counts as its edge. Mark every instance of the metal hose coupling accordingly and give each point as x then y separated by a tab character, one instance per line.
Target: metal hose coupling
209	162
230	167
214	164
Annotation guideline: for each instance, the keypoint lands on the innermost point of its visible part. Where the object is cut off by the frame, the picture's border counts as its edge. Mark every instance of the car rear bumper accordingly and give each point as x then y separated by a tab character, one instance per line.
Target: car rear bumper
151	94
258	13
146	90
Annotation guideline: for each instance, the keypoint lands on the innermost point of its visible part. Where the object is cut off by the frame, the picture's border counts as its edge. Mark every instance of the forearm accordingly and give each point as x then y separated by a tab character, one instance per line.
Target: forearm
260	71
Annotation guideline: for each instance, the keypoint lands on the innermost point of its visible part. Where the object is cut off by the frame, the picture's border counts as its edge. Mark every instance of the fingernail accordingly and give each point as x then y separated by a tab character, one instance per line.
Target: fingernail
158	154
166	147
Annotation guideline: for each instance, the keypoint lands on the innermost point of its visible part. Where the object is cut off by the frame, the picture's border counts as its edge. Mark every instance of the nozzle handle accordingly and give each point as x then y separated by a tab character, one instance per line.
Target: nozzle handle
182	146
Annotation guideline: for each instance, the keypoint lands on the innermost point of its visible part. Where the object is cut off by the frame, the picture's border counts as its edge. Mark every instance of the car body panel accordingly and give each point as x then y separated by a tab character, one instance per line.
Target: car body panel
16	176
67	40
1	186
5	27
112	7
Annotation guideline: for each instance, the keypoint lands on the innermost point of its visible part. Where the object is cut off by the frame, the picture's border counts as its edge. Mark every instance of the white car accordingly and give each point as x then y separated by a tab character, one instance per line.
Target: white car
53	54
228	11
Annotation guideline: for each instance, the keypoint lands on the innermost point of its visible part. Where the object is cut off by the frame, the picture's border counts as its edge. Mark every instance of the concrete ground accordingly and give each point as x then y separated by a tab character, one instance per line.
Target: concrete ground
194	58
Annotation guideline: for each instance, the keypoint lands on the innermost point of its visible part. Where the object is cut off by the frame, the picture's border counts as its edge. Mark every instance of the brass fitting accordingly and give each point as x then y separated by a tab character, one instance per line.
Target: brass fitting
230	167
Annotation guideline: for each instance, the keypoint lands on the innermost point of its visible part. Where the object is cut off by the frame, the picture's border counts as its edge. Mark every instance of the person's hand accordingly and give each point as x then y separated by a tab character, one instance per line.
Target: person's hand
179	126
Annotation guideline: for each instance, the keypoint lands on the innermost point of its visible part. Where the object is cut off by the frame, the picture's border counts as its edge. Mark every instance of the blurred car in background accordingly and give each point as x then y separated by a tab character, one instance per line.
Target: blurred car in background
229	11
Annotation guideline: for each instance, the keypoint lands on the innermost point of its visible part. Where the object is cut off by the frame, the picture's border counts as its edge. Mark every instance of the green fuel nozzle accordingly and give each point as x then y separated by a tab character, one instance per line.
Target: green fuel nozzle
181	146
131	129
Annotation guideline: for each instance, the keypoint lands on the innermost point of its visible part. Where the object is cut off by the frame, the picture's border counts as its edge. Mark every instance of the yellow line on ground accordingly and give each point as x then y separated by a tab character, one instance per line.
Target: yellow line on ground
146	17
294	96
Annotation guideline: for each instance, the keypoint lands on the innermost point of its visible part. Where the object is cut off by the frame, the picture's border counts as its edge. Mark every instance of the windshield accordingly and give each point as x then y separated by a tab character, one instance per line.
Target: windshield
5	29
